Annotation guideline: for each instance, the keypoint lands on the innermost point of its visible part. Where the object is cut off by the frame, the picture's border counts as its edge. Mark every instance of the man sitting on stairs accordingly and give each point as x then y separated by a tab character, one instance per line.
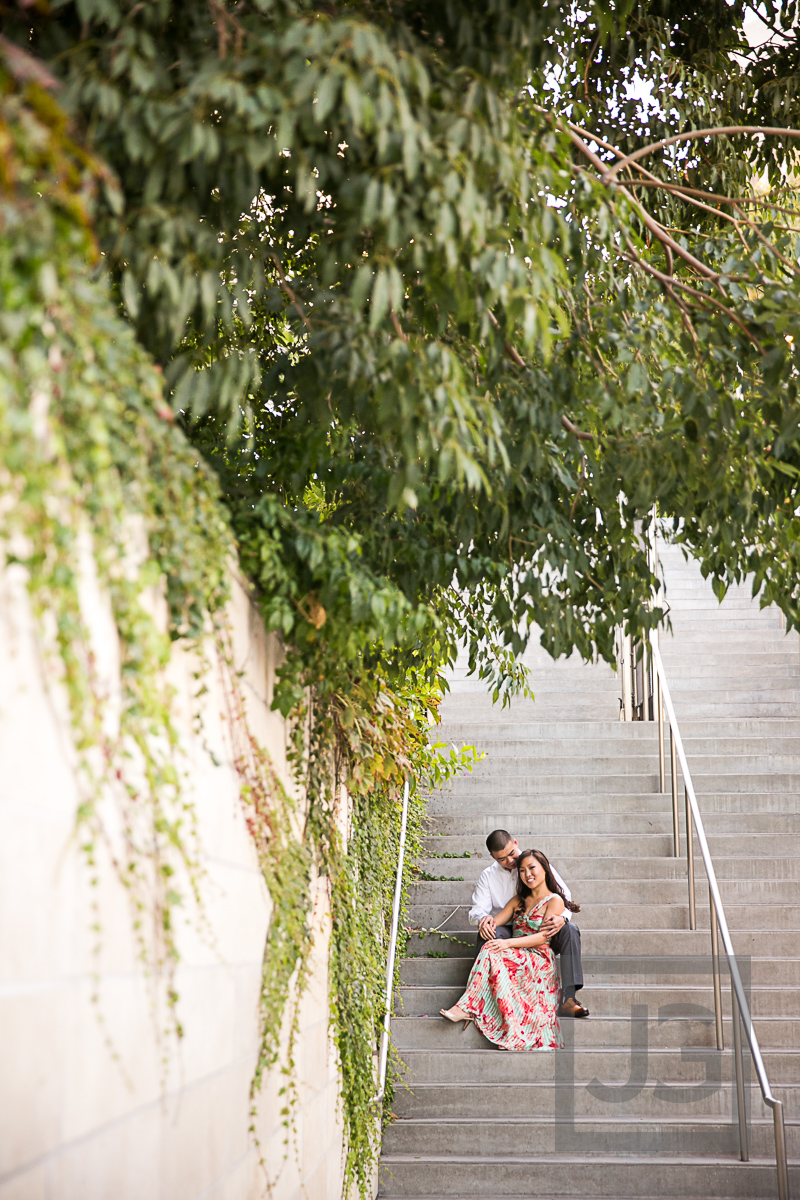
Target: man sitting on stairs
496	886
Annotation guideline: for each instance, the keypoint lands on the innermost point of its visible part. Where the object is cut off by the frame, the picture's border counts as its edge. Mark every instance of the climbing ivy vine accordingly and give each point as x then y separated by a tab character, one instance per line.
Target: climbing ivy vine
95	482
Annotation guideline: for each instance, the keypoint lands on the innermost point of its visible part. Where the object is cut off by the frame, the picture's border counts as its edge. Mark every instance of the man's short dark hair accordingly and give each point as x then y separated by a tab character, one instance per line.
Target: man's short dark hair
497	840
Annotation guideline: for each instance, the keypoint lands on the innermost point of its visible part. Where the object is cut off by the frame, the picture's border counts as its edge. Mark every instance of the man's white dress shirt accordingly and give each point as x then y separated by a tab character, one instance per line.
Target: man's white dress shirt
497	886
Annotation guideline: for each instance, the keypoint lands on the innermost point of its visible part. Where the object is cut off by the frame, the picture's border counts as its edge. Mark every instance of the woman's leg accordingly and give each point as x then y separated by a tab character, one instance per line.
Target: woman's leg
479	980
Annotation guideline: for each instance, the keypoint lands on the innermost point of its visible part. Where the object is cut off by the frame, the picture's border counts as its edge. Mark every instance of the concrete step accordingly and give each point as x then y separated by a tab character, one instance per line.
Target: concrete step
575	869
583	1197
619	998
548	685
554	684
516	774
694	1134
496	768
707	1096
756	670
632	1135
737	686
775	701
623	758
757	639
455	1067
534	783
504	780
590	824
760	918
702	600
443	808
498	746
686	602
572	1175
688	714
721	616
489	722
542	663
433	1033
606	969
714	626
626	942
558	706
508	767
642	838
630	893
657	819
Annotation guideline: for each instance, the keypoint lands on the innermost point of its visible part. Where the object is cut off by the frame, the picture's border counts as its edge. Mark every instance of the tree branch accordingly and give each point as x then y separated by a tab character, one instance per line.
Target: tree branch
515	357
288	290
687	194
580	487
637	260
681	190
580	434
694	134
649	222
790	266
658	230
589	58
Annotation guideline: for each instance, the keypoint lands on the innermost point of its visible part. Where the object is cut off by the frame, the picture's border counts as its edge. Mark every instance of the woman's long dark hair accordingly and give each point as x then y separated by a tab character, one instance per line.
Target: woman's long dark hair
523	891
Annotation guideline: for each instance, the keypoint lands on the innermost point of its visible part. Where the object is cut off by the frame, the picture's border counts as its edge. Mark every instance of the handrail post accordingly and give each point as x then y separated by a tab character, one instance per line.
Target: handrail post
645	681
690	861
676	827
715	969
780	1150
741	1105
626	677
398	891
662	771
634	678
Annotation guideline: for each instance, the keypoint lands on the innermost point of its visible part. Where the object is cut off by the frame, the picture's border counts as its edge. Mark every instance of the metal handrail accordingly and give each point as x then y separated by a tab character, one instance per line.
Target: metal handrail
719	928
398	891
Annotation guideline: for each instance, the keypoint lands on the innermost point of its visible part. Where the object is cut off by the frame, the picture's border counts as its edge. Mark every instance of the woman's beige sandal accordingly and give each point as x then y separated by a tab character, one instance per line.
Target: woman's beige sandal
445	1012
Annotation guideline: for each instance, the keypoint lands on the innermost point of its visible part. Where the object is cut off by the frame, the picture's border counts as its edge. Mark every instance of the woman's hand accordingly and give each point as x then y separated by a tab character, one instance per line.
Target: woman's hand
498	943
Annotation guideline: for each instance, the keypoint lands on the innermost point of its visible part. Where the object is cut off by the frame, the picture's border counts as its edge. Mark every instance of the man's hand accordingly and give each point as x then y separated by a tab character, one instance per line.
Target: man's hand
486	928
551	925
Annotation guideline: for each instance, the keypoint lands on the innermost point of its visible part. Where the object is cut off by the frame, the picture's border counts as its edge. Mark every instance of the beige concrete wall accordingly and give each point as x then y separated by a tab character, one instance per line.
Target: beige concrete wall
166	1122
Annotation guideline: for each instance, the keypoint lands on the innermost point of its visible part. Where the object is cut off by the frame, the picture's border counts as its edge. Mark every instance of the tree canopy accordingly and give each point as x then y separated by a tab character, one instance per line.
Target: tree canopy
392	257
451	295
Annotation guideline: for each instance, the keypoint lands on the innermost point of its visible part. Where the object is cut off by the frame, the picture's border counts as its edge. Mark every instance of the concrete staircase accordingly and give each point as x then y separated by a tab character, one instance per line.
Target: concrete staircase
640	1103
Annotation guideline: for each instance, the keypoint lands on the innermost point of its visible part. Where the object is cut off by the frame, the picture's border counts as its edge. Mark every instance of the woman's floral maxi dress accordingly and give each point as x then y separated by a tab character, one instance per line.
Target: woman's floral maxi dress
513	991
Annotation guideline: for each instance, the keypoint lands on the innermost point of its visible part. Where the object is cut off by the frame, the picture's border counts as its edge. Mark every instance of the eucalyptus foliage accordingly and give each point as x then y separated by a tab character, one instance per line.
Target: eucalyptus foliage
386	277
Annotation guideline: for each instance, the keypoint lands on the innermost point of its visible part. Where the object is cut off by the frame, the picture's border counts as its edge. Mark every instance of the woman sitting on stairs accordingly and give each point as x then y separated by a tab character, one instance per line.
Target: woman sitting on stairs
513	989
